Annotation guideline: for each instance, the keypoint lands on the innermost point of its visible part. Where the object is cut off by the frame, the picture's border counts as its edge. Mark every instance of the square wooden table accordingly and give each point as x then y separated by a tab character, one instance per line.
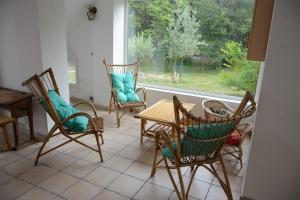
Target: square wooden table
162	113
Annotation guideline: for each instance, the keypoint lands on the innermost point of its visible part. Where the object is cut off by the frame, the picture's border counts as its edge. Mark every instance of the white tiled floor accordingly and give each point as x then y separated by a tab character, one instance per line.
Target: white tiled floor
75	172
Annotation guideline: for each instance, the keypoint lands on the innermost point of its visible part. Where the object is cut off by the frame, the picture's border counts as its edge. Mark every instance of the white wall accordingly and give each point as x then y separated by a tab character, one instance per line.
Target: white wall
32	38
20	51
274	162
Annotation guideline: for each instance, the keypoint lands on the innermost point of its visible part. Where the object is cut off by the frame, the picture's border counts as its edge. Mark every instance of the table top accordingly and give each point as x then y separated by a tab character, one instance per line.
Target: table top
9	96
162	111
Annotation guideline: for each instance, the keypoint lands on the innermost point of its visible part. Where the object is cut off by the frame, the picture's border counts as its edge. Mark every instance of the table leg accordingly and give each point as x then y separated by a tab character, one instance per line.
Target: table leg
16	133
155	154
142	129
6	138
30	119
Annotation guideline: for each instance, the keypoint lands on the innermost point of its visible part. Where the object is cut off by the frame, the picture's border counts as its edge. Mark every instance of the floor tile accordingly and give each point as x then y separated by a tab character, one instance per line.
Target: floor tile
216	192
4	176
175	197
118	163
139	170
162	178
78	151
152	192
36	193
198	189
8	157
13	188
94	157
109	195
38	174
126	185
60	161
18	167
112	147
58	183
147	158
81	190
80	168
29	150
124	139
235	181
131	153
102	176
202	174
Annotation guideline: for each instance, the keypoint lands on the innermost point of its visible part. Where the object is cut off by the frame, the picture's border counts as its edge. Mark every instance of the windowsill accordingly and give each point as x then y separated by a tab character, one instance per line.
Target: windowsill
204	95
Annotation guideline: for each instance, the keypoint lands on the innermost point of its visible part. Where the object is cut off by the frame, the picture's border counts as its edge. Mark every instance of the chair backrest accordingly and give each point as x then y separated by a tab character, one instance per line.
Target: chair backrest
39	85
199	139
122	69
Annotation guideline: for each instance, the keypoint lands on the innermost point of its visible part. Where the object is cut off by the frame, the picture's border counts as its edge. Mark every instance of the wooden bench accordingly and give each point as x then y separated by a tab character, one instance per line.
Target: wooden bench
3	122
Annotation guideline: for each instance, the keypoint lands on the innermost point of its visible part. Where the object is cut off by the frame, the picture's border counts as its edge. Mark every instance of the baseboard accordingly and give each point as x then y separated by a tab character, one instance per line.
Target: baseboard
97	106
245	198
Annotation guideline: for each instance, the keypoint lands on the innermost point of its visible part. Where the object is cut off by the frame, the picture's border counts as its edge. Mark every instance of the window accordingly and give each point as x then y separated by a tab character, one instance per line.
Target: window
72	73
193	45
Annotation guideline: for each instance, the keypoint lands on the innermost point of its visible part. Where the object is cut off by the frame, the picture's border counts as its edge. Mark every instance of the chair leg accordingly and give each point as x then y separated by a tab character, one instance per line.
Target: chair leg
117	116
228	192
241	155
98	146
51	132
6	138
172	179
110	104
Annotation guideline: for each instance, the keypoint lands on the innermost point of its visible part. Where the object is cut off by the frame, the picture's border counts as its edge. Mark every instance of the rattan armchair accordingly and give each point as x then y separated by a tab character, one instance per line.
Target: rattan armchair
118	106
198	143
242	130
39	85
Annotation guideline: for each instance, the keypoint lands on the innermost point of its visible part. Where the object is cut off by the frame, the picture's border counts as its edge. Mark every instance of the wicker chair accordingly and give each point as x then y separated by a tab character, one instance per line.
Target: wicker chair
123	69
233	148
39	85
198	143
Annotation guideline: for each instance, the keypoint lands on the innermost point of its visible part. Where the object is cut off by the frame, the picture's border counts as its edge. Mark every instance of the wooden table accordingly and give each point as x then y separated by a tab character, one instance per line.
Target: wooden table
162	113
19	104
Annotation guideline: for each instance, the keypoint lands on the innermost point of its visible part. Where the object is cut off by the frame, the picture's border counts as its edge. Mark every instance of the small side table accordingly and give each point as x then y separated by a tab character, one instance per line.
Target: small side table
20	105
3	122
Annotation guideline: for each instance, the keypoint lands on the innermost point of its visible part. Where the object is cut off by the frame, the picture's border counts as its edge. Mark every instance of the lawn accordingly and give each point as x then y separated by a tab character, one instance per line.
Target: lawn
194	80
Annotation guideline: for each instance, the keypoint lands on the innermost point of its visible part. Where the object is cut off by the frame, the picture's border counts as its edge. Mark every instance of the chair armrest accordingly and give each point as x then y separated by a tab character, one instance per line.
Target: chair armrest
144	92
89	104
80	114
161	134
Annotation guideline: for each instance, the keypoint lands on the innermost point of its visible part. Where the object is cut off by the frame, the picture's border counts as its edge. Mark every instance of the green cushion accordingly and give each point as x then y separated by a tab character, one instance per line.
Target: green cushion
124	86
64	110
202	132
167	152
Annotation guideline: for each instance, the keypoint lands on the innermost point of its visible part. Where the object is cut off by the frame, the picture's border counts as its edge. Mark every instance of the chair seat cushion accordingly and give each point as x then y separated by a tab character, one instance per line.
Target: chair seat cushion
124	86
234	138
64	110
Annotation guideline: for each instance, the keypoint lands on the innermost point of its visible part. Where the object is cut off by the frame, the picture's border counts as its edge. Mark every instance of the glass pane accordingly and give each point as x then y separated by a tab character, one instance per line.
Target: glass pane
194	45
72	73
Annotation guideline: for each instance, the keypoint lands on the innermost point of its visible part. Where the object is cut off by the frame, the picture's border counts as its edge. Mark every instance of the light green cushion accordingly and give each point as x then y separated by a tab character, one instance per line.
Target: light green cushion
202	132
64	110
124	86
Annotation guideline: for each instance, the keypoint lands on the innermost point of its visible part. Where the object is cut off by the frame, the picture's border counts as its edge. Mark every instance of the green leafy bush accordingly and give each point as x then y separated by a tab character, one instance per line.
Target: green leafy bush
239	72
141	47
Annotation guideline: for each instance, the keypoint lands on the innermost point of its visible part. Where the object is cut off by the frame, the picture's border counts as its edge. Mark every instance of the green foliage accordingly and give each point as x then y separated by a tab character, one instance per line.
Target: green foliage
239	72
140	46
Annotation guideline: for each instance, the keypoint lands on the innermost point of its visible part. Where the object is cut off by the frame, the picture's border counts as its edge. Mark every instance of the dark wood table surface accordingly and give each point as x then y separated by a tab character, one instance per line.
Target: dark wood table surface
19	104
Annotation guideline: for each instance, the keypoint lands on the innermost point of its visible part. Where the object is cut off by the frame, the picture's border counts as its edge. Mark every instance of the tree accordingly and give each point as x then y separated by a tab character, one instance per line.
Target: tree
140	47
184	38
